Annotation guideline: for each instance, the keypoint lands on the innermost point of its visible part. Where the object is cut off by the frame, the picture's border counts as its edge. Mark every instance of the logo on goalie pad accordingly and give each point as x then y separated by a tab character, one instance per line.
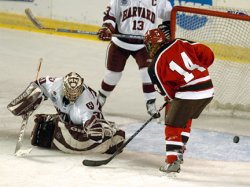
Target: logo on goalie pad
75	129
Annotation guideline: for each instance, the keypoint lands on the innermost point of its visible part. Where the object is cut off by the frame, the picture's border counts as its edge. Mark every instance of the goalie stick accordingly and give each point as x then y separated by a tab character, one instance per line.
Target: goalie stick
39	25
18	150
87	162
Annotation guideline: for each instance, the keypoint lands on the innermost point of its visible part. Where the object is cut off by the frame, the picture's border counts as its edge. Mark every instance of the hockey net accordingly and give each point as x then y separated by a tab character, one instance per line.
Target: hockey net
227	32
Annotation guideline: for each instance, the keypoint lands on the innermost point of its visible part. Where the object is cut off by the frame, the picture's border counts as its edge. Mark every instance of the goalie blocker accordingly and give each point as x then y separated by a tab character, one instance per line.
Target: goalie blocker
28	101
95	135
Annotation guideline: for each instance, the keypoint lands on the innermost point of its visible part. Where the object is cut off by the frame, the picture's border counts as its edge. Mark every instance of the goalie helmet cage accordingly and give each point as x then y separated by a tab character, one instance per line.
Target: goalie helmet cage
226	32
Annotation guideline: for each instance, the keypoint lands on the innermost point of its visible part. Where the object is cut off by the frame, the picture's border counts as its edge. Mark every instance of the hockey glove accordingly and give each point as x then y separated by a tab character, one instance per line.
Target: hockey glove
97	129
105	33
165	27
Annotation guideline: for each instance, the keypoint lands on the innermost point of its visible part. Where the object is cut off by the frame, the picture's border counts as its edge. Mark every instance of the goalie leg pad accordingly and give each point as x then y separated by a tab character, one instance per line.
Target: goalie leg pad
118	140
43	131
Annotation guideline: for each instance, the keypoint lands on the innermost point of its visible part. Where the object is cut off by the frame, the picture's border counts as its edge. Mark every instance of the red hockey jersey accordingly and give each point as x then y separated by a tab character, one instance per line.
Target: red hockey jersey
180	70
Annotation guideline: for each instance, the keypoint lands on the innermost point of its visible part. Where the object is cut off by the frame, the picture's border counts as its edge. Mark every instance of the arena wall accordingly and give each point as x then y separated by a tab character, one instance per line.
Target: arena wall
91	12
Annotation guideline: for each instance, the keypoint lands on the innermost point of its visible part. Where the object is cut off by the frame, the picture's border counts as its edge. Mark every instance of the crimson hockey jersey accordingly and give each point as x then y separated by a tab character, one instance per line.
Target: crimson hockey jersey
180	70
135	17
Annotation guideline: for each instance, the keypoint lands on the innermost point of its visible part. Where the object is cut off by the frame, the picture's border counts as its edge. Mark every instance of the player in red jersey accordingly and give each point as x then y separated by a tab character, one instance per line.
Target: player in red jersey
179	71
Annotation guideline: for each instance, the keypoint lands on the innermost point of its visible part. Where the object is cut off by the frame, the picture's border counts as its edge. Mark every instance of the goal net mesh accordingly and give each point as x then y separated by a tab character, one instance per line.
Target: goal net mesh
227	32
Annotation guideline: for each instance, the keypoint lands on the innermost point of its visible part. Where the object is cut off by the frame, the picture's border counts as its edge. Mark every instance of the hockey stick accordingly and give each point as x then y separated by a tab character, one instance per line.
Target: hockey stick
18	150
39	25
119	150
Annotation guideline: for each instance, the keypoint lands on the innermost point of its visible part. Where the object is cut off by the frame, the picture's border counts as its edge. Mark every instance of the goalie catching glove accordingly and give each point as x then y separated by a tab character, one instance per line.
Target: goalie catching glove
97	129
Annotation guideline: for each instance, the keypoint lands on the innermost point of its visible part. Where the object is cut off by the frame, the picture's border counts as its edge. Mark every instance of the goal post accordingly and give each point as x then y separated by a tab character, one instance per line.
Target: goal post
227	32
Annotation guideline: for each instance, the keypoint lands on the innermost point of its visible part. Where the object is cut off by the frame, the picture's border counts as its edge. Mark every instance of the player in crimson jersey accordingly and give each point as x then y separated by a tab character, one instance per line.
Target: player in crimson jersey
179	71
131	17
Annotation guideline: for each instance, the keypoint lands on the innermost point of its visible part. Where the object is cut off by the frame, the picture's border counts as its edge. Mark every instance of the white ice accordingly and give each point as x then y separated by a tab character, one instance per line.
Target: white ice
212	159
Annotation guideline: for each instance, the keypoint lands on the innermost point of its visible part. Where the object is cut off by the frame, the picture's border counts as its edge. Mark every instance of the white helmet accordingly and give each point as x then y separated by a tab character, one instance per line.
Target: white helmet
72	86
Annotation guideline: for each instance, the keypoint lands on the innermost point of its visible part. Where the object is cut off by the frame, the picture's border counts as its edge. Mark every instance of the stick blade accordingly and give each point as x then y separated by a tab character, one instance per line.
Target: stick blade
95	163
102	162
33	19
23	152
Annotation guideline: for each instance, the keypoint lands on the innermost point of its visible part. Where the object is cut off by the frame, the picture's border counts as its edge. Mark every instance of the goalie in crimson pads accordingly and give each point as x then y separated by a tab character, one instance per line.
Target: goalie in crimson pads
78	126
179	71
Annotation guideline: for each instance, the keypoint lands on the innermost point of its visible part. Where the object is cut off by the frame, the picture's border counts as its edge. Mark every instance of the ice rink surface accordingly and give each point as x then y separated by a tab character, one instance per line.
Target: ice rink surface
212	159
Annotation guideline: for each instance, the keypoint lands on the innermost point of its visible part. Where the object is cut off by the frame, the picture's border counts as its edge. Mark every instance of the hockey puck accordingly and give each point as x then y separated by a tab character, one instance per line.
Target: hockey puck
236	139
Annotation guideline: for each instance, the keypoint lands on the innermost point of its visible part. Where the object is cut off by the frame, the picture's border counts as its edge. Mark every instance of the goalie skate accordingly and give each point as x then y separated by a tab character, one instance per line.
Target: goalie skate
101	98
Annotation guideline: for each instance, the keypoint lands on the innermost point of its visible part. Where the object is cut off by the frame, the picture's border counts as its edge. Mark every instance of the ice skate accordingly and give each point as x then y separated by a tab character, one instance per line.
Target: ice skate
101	98
180	155
174	167
151	108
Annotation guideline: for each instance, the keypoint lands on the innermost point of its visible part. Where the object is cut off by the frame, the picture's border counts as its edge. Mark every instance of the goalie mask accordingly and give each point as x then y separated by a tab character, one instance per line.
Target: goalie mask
153	40
72	86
